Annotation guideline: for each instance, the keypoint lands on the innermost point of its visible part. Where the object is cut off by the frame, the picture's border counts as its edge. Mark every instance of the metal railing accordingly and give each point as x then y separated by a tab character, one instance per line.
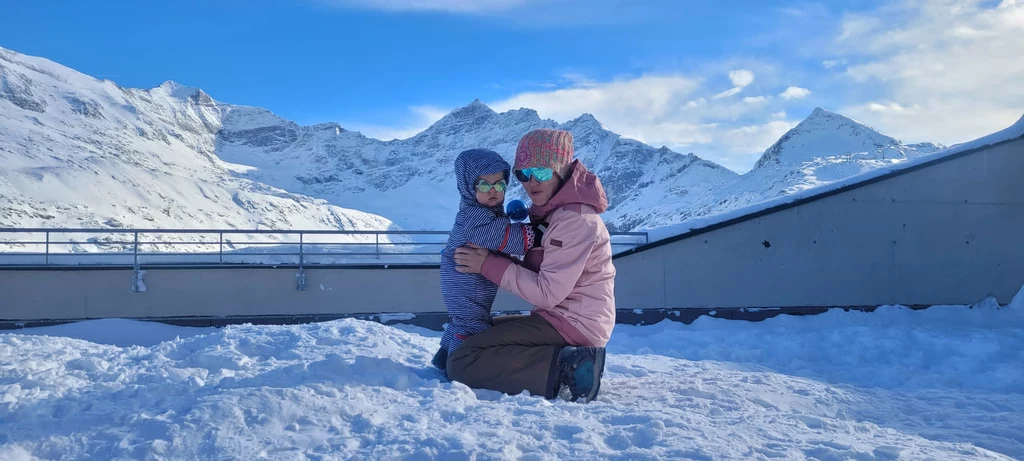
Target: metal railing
176	247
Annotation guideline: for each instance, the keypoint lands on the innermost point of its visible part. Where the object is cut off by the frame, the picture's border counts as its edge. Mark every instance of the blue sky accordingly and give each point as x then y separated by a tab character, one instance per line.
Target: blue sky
722	80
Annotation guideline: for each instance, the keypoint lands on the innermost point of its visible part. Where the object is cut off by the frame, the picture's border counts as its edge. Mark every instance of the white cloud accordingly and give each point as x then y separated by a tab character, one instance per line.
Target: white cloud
828	64
452	6
422	118
671	110
752	140
730	92
779	114
891	107
944	70
741	78
795	92
647	98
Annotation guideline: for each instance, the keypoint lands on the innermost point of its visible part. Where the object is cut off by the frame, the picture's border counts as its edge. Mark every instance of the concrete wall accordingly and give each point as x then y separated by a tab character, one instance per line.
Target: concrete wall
948	233
56	294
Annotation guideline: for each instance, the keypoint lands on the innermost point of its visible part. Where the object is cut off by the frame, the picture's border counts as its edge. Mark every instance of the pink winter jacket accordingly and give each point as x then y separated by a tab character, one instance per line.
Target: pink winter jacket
570	279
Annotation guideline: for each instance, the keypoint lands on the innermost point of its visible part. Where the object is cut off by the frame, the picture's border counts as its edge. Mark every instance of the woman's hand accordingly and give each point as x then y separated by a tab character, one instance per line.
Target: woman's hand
470	258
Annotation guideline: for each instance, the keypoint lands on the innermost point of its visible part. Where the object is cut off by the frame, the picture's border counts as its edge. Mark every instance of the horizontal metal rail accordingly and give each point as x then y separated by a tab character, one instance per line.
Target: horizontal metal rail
135	247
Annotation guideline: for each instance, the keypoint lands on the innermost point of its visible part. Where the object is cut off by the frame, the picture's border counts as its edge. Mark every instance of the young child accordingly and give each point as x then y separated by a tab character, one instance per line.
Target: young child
482	176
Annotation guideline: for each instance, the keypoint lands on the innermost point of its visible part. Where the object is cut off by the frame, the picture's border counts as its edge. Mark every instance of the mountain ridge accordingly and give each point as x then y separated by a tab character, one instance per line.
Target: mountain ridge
241	166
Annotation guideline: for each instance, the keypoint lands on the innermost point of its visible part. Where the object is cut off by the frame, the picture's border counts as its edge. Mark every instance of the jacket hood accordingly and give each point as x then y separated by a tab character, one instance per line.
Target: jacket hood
582	187
472	164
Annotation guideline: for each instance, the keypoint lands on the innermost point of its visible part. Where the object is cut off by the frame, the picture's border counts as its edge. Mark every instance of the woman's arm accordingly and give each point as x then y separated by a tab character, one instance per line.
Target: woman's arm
567	247
498	233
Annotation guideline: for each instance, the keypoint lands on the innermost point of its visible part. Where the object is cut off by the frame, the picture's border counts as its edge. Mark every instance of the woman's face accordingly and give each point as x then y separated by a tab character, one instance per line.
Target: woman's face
540	192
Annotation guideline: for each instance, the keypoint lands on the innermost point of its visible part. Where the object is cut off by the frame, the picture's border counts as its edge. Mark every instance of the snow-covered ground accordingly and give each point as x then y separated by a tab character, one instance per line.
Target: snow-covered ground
943	383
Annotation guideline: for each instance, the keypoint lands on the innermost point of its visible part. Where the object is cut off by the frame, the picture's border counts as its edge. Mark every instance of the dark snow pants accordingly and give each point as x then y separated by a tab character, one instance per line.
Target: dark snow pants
517	354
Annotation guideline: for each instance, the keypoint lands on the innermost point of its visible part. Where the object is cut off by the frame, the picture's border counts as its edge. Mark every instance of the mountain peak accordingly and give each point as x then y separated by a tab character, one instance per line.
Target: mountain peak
820	116
819	112
177	90
823	134
473	113
585	119
473	108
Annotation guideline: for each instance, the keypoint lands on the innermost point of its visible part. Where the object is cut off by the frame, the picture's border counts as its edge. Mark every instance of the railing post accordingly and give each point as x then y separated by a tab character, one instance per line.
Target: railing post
47	255
220	254
137	284
300	276
376	245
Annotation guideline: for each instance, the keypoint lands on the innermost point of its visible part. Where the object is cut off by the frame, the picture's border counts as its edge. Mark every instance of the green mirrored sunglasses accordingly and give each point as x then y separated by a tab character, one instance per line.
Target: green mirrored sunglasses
484	186
542	174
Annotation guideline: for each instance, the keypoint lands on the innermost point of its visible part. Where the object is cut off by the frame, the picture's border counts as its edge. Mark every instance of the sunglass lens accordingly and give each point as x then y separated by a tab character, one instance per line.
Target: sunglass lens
485	187
542	174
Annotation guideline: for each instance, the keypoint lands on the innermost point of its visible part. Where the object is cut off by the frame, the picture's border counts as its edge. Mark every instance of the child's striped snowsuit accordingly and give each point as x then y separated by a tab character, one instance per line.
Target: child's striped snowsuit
468	297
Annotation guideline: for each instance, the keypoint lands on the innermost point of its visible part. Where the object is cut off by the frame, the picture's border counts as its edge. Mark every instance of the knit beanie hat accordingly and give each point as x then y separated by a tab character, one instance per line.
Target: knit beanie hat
545	148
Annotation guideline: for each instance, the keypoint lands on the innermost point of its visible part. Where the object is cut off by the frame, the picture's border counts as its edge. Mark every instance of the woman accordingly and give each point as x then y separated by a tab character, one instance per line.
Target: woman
569	279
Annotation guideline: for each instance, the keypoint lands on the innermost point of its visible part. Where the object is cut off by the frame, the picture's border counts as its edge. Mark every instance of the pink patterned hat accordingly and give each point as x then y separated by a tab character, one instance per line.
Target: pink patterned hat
545	148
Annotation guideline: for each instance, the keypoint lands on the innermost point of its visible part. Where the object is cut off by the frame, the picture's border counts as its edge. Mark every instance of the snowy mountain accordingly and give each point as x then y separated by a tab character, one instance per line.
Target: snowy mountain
411	181
825	134
81	152
824	148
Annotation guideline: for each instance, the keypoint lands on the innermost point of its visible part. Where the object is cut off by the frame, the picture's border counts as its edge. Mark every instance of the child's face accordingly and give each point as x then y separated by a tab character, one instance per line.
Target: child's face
492	182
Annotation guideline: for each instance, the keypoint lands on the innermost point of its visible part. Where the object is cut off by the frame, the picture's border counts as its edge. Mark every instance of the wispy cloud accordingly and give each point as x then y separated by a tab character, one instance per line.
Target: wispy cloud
451	6
421	117
943	70
795	92
740	79
830	63
523	13
678	111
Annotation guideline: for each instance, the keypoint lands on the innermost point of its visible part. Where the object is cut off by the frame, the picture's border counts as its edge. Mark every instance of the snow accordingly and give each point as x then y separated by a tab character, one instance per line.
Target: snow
942	383
1017	302
117	332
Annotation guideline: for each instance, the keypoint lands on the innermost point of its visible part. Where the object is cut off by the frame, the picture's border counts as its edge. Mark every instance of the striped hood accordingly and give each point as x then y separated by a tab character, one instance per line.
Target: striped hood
472	164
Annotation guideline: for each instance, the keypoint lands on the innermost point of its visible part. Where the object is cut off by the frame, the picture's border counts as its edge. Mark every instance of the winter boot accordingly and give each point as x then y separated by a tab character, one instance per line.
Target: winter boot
440	359
580	370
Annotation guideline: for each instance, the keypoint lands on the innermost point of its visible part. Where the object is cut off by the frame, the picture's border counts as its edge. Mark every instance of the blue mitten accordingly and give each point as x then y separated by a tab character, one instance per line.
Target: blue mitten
516	211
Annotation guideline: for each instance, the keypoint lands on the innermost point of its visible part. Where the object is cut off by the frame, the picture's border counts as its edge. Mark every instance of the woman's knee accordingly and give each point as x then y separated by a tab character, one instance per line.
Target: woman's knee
457	362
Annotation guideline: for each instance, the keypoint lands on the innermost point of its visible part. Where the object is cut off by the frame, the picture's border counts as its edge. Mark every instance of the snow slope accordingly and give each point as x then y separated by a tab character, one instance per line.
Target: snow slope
943	383
80	152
